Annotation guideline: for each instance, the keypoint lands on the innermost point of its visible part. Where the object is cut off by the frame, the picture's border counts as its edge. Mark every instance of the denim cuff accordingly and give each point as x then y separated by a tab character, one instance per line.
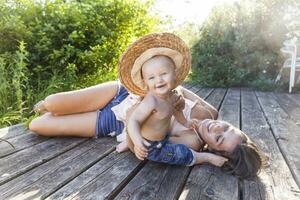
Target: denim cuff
194	158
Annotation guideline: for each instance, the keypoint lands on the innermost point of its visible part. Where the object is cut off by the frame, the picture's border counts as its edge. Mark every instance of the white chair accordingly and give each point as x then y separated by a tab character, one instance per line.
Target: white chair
290	47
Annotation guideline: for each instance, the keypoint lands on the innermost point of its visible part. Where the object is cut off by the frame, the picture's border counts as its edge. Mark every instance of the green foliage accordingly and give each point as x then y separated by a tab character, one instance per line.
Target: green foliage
15	91
53	46
239	44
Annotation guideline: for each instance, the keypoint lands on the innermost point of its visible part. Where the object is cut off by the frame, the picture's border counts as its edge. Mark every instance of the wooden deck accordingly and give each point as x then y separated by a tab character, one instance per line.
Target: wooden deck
80	168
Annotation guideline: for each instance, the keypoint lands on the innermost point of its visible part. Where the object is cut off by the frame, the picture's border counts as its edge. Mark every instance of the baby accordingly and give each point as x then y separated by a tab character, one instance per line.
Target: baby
149	122
154	74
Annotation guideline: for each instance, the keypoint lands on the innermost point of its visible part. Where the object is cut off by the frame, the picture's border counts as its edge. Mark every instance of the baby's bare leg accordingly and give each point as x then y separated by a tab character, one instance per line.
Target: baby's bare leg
82	125
187	138
79	101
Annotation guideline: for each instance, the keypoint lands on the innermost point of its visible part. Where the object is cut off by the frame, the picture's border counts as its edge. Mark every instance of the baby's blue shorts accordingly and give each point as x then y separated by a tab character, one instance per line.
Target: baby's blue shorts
166	152
107	124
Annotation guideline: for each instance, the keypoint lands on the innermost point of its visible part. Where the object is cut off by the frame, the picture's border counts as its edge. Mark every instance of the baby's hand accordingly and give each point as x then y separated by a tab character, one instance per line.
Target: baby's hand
216	160
140	149
178	101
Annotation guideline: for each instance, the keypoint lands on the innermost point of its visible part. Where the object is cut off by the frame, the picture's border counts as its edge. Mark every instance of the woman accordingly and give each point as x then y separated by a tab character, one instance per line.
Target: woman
77	113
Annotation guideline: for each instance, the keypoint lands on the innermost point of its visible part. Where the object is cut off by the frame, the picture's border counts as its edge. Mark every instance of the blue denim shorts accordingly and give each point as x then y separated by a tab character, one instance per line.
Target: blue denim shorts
166	152
107	124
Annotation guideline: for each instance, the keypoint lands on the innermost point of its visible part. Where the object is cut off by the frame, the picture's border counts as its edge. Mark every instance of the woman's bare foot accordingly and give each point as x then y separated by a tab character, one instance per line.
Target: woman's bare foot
40	107
122	147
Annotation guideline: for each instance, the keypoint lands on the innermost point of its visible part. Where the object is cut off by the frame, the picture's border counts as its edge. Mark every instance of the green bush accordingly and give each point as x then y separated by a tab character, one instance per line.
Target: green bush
239	44
61	45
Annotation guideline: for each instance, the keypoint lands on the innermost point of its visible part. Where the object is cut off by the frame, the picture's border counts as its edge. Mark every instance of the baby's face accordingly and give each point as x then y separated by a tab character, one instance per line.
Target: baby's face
159	75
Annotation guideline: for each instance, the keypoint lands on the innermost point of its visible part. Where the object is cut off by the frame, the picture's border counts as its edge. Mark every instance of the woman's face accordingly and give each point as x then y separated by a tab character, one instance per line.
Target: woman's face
220	135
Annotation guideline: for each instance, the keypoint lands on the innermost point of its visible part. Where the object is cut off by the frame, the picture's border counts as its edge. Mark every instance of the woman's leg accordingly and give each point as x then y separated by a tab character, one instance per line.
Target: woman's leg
79	101
81	124
188	138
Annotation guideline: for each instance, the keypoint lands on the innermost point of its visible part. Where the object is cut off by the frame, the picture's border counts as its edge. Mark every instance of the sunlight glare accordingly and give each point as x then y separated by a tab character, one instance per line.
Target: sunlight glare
187	10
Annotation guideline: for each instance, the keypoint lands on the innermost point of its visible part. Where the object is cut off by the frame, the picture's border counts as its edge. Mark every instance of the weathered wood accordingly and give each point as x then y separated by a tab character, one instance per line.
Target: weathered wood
187	85
195	89
204	92
230	109
13	131
275	181
285	131
108	176
22	161
33	175
20	142
289	105
62	172
296	97
216	97
155	181
109	181
208	182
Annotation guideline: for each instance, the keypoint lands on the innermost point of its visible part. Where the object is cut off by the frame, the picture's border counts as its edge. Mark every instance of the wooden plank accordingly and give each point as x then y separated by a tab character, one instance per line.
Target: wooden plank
230	110
285	131
104	179
187	85
155	181
275	181
208	182
36	173
110	180
216	97
289	105
58	174
194	89
13	131
204	92
22	161
20	142
295	97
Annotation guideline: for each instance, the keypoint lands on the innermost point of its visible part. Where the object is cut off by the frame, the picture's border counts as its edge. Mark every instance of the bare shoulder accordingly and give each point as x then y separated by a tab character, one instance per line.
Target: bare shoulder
150	100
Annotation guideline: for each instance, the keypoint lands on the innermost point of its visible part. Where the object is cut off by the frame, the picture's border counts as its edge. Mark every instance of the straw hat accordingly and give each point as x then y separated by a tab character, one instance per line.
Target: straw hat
167	44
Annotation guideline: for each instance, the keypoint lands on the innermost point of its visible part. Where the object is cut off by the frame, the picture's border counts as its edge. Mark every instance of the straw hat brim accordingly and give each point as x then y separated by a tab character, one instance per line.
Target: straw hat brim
155	42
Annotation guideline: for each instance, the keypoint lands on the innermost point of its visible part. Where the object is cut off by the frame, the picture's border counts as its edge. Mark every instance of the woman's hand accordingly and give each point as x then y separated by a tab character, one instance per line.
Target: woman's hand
216	159
140	149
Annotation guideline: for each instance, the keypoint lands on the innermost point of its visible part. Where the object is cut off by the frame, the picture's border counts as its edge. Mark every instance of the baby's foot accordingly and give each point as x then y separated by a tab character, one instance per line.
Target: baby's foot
40	107
122	147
